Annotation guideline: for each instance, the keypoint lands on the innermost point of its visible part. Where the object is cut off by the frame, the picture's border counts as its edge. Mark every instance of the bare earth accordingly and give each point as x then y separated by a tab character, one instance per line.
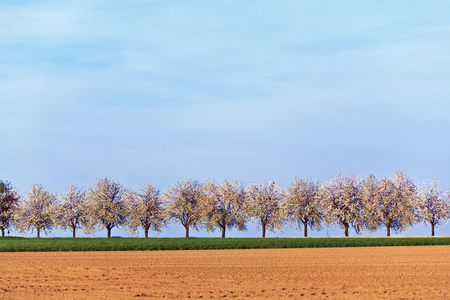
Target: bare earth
336	273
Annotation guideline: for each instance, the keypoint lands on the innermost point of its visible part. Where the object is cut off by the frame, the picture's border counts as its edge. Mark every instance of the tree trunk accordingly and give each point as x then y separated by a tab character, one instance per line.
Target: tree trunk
223	231
305	228
146	232
3	231
388	227
432	229
264	230
187	231
346	229
38	232
109	232
74	228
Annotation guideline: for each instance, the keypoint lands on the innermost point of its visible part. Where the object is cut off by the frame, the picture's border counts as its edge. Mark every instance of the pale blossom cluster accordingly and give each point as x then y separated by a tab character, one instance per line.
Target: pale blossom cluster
224	205
36	211
391	202
8	204
145	210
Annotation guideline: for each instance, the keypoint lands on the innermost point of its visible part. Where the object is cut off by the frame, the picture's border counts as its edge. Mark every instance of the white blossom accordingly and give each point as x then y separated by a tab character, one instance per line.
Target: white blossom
224	205
390	202
71	209
36	211
433	205
8	204
185	204
302	204
105	206
264	206
341	200
146	210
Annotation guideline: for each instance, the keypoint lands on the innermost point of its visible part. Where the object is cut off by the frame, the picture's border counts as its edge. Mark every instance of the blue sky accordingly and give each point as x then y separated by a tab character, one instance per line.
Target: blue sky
162	91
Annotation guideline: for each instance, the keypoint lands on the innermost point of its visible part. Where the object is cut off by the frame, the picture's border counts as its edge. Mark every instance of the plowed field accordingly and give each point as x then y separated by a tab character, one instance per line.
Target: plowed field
335	273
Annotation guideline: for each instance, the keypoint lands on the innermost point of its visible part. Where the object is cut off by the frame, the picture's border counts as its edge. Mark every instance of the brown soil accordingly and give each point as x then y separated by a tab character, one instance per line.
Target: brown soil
336	273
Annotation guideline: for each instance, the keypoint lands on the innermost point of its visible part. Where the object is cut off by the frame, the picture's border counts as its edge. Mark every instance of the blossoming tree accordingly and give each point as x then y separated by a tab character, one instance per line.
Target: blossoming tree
71	209
185	204
341	200
264	206
146	210
433	205
8	203
391	202
105	206
224	205
302	204
36	211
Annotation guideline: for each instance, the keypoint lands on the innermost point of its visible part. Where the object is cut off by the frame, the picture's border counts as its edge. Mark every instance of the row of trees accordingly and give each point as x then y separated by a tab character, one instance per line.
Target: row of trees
395	203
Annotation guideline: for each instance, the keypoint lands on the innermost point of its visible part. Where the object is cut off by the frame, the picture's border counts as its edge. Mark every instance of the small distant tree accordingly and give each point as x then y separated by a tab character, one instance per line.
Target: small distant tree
341	200
36	211
105	206
302	204
71	209
265	206
224	205
185	204
8	203
146	210
433	205
390	202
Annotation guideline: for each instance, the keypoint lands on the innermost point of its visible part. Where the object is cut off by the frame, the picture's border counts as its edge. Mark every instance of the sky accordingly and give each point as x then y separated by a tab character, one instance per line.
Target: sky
164	91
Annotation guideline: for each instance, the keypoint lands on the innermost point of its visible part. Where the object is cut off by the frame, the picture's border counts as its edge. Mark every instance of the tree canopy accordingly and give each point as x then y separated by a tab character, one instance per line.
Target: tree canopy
433	205
146	210
36	210
8	203
264	206
224	205
71	209
390	201
341	201
185	204
303	204
105	206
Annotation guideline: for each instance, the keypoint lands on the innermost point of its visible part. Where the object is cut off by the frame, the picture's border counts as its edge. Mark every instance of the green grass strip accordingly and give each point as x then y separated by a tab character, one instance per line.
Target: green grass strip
17	244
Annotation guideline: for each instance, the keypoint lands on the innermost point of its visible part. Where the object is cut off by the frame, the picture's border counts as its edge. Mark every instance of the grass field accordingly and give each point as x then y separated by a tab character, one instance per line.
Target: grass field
18	244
